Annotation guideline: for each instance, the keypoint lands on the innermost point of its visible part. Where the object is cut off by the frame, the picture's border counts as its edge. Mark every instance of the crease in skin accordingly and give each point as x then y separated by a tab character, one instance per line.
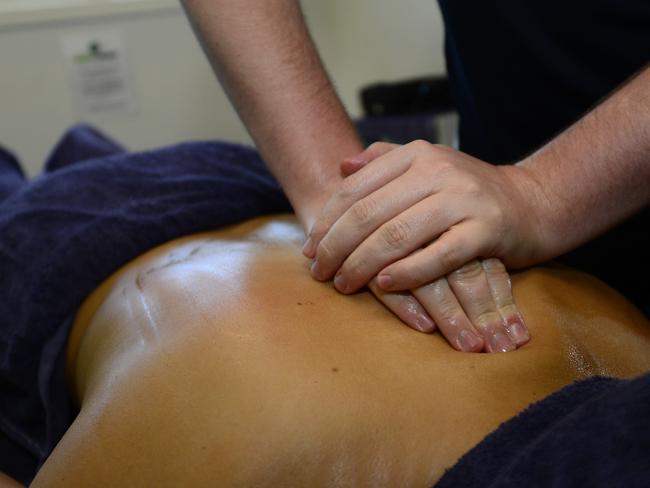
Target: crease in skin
181	272
126	354
131	315
172	261
148	328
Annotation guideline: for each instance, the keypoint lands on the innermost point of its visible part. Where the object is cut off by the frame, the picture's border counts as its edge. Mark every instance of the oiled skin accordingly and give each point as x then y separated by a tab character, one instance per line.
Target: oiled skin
216	360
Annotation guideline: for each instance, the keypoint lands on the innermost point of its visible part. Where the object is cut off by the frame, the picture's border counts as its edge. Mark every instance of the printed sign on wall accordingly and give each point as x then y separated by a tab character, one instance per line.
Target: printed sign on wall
99	74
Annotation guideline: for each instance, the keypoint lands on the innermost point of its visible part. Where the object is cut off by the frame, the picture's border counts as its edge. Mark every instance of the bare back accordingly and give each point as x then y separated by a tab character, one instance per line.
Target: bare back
216	360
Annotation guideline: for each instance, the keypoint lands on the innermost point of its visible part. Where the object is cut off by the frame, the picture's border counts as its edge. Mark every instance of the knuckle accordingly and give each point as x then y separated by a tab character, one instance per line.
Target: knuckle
437	163
488	321
354	271
442	152
324	251
348	188
363	211
408	275
495	269
422	166
473	188
446	307
439	289
499	218
508	310
319	230
495	213
396	233
445	169
495	220
421	145
499	283
377	146
448	256
442	148
494	265
468	271
447	311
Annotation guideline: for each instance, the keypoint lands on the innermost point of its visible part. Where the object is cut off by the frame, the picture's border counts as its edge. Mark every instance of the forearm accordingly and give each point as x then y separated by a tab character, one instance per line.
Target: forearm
596	173
263	55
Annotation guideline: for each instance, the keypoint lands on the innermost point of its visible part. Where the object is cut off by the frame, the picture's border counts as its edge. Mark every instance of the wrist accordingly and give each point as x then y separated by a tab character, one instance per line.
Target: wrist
309	202
535	215
309	171
558	226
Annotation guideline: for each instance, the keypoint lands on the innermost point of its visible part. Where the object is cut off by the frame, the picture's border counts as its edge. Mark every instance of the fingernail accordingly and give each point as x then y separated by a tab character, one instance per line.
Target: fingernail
340	283
517	332
384	281
499	342
468	341
306	249
315	270
423	323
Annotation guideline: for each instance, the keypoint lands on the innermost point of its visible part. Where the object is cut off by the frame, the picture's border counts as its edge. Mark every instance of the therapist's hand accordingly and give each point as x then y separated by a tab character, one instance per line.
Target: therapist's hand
473	308
417	212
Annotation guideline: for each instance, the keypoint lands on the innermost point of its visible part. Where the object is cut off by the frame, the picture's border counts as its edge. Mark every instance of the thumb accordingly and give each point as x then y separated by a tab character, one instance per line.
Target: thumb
373	151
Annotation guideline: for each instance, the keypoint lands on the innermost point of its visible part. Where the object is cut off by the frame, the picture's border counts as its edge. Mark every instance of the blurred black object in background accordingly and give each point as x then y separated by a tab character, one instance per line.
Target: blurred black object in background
424	95
403	111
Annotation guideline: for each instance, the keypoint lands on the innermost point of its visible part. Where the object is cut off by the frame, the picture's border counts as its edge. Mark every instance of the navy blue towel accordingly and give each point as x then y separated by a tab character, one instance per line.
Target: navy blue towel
11	174
593	434
95	208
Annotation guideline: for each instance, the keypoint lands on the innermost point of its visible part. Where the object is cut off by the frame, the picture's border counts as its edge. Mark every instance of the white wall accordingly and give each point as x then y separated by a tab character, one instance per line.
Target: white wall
177	96
377	40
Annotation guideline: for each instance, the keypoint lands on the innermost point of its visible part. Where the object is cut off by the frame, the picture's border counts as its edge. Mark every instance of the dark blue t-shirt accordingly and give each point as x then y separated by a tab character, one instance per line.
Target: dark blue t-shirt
522	71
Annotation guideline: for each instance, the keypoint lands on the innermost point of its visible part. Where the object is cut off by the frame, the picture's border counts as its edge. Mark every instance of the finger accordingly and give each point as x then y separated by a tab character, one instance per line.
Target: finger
373	151
501	289
450	251
439	300
392	241
406	307
469	284
403	221
355	187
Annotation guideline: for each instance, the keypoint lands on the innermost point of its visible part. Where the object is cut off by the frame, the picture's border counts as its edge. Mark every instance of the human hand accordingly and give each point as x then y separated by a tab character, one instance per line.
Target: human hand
447	205
473	308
